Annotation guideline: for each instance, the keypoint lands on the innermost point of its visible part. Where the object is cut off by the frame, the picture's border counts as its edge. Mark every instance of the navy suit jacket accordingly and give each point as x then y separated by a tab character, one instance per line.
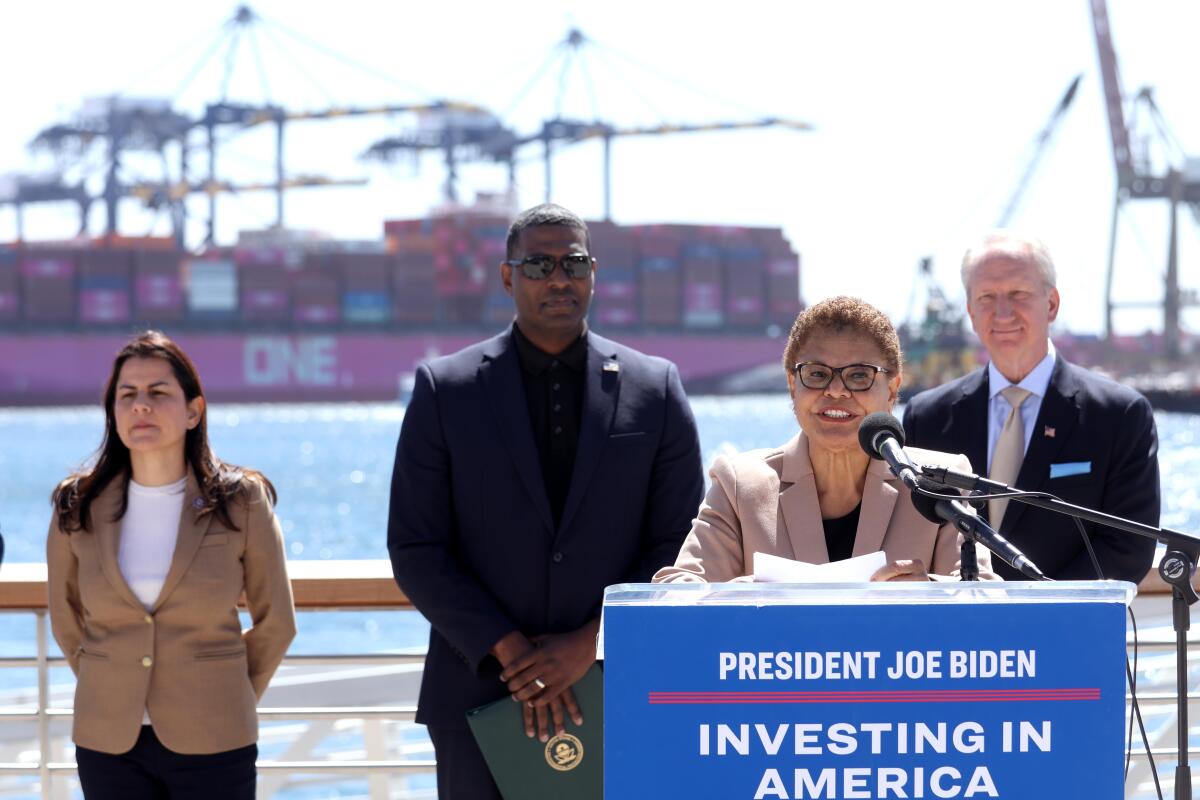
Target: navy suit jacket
470	532
1084	419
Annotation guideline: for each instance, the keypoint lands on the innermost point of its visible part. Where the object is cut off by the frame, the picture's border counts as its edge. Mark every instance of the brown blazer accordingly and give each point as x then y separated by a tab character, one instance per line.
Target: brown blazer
186	660
766	501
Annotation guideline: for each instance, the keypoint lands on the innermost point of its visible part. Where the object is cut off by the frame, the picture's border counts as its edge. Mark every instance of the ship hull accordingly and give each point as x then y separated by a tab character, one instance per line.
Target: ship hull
70	369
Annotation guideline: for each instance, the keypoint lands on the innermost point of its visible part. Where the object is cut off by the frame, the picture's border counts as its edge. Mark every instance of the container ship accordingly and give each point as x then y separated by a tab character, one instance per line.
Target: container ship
286	316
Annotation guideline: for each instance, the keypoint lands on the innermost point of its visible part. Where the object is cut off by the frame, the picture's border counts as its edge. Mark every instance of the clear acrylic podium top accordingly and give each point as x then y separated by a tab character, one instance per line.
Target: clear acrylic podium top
898	593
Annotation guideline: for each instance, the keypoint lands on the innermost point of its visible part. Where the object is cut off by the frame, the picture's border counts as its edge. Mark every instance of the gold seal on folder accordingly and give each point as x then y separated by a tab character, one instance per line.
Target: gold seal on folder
564	752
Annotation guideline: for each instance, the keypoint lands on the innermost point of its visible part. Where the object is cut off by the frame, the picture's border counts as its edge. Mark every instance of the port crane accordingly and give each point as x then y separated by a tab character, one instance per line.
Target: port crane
498	143
1140	176
1040	146
111	129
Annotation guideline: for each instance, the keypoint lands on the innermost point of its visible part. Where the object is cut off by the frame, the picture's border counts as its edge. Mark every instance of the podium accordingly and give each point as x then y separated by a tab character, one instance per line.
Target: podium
865	690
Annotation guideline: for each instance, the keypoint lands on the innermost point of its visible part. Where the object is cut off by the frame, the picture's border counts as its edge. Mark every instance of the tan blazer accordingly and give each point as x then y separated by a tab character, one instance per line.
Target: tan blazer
186	660
766	501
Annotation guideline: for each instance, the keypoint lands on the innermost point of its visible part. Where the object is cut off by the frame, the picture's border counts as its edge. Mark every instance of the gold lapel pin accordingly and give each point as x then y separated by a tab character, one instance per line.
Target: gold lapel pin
611	366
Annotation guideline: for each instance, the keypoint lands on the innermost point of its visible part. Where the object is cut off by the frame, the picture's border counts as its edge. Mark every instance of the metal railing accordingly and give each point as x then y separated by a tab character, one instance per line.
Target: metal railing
317	586
368	585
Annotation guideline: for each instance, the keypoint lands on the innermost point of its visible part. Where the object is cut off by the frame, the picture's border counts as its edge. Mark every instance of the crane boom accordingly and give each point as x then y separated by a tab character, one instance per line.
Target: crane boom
1041	144
1113	99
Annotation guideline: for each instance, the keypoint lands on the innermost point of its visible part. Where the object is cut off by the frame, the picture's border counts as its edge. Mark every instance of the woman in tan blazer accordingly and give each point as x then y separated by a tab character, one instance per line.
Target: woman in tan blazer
820	497
148	553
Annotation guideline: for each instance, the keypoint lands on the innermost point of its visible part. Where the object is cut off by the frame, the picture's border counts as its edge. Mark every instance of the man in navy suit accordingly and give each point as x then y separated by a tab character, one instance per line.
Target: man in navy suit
1087	439
533	469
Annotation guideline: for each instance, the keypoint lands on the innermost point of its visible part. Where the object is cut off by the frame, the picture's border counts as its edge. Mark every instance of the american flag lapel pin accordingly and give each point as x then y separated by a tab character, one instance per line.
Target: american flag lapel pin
1049	432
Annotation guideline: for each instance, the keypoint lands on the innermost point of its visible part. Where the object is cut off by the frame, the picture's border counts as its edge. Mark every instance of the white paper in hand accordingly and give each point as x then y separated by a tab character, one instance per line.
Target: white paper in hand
773	569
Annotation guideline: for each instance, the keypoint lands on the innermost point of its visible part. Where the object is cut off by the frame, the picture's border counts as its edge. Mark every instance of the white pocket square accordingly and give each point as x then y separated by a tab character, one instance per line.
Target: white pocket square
1070	468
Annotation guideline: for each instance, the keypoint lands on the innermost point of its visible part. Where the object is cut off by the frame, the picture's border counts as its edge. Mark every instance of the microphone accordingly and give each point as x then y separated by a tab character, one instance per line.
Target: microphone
967	481
939	510
882	437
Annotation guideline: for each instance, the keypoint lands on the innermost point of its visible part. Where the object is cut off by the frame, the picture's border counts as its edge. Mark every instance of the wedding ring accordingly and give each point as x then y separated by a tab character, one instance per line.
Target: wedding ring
541	684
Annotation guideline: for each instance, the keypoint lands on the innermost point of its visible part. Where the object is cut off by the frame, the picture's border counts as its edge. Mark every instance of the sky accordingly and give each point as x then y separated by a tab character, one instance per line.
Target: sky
924	117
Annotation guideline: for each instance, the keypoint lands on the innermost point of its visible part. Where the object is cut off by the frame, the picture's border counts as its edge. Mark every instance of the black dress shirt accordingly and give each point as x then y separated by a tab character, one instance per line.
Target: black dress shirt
840	533
554	388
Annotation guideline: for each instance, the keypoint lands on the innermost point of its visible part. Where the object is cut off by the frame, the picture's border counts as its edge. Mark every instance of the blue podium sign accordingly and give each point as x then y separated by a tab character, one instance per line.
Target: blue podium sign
938	690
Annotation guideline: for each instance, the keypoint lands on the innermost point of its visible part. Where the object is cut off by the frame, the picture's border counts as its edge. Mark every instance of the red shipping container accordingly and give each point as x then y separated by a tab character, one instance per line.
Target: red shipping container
616	317
407	226
268	257
9	305
49	300
316	313
365	272
464	309
157	294
54	267
101	306
105	264
415	314
660	308
610	289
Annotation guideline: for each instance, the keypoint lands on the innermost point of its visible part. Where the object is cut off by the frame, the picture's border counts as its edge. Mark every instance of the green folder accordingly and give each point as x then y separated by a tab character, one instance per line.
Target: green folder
568	766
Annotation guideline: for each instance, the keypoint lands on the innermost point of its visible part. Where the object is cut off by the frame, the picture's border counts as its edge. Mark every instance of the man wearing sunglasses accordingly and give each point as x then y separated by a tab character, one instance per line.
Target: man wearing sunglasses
533	469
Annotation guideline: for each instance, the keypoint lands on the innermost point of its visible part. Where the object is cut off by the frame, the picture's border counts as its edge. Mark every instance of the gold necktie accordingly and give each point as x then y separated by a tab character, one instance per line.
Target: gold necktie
1010	451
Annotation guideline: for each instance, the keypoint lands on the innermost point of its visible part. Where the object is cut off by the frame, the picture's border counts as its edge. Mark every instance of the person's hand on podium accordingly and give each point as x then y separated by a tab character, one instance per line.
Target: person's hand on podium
540	677
902	570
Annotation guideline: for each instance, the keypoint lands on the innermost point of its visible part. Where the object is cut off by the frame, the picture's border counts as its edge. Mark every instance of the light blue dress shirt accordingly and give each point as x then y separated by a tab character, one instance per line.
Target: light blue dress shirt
1036	382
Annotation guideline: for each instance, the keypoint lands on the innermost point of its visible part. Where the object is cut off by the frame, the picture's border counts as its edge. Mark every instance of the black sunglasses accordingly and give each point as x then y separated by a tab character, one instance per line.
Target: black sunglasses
855	377
536	268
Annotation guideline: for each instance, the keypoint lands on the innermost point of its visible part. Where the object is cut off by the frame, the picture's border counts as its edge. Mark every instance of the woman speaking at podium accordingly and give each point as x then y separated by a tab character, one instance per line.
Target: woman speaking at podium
149	550
820	497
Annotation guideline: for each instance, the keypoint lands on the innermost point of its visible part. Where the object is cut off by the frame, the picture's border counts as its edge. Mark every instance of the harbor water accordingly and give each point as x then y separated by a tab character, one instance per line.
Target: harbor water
332	464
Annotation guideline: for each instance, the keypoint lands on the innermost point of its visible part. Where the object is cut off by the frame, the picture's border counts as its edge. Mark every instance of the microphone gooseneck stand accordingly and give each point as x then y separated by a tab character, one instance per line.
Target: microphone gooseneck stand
1177	568
968	564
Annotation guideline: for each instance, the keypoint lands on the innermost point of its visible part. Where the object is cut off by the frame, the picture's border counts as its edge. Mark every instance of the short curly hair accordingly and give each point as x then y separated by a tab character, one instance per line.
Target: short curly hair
844	314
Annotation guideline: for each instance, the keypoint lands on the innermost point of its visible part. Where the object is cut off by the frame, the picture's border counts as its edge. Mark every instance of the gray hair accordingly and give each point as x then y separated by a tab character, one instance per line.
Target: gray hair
1013	245
545	214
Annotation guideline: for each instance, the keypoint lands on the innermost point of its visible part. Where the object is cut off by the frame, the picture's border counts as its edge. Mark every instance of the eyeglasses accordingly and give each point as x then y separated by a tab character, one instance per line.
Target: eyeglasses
855	377
537	268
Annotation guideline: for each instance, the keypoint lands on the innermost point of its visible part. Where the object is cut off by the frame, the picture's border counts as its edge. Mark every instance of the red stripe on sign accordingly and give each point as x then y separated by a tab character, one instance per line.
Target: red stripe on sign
912	696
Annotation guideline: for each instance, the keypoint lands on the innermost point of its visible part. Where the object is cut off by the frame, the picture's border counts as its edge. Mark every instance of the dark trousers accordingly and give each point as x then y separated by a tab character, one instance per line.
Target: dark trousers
152	772
462	774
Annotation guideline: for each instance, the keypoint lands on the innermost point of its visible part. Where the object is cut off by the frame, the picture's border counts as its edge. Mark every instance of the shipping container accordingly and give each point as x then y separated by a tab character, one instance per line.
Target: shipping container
365	272
48	286
38	265
498	309
412	310
783	288
360	307
158	294
211	288
49	301
315	297
616	317
10	285
464	310
408	227
265	293
703	286
315	313
10	305
105	269
282	257
104	306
